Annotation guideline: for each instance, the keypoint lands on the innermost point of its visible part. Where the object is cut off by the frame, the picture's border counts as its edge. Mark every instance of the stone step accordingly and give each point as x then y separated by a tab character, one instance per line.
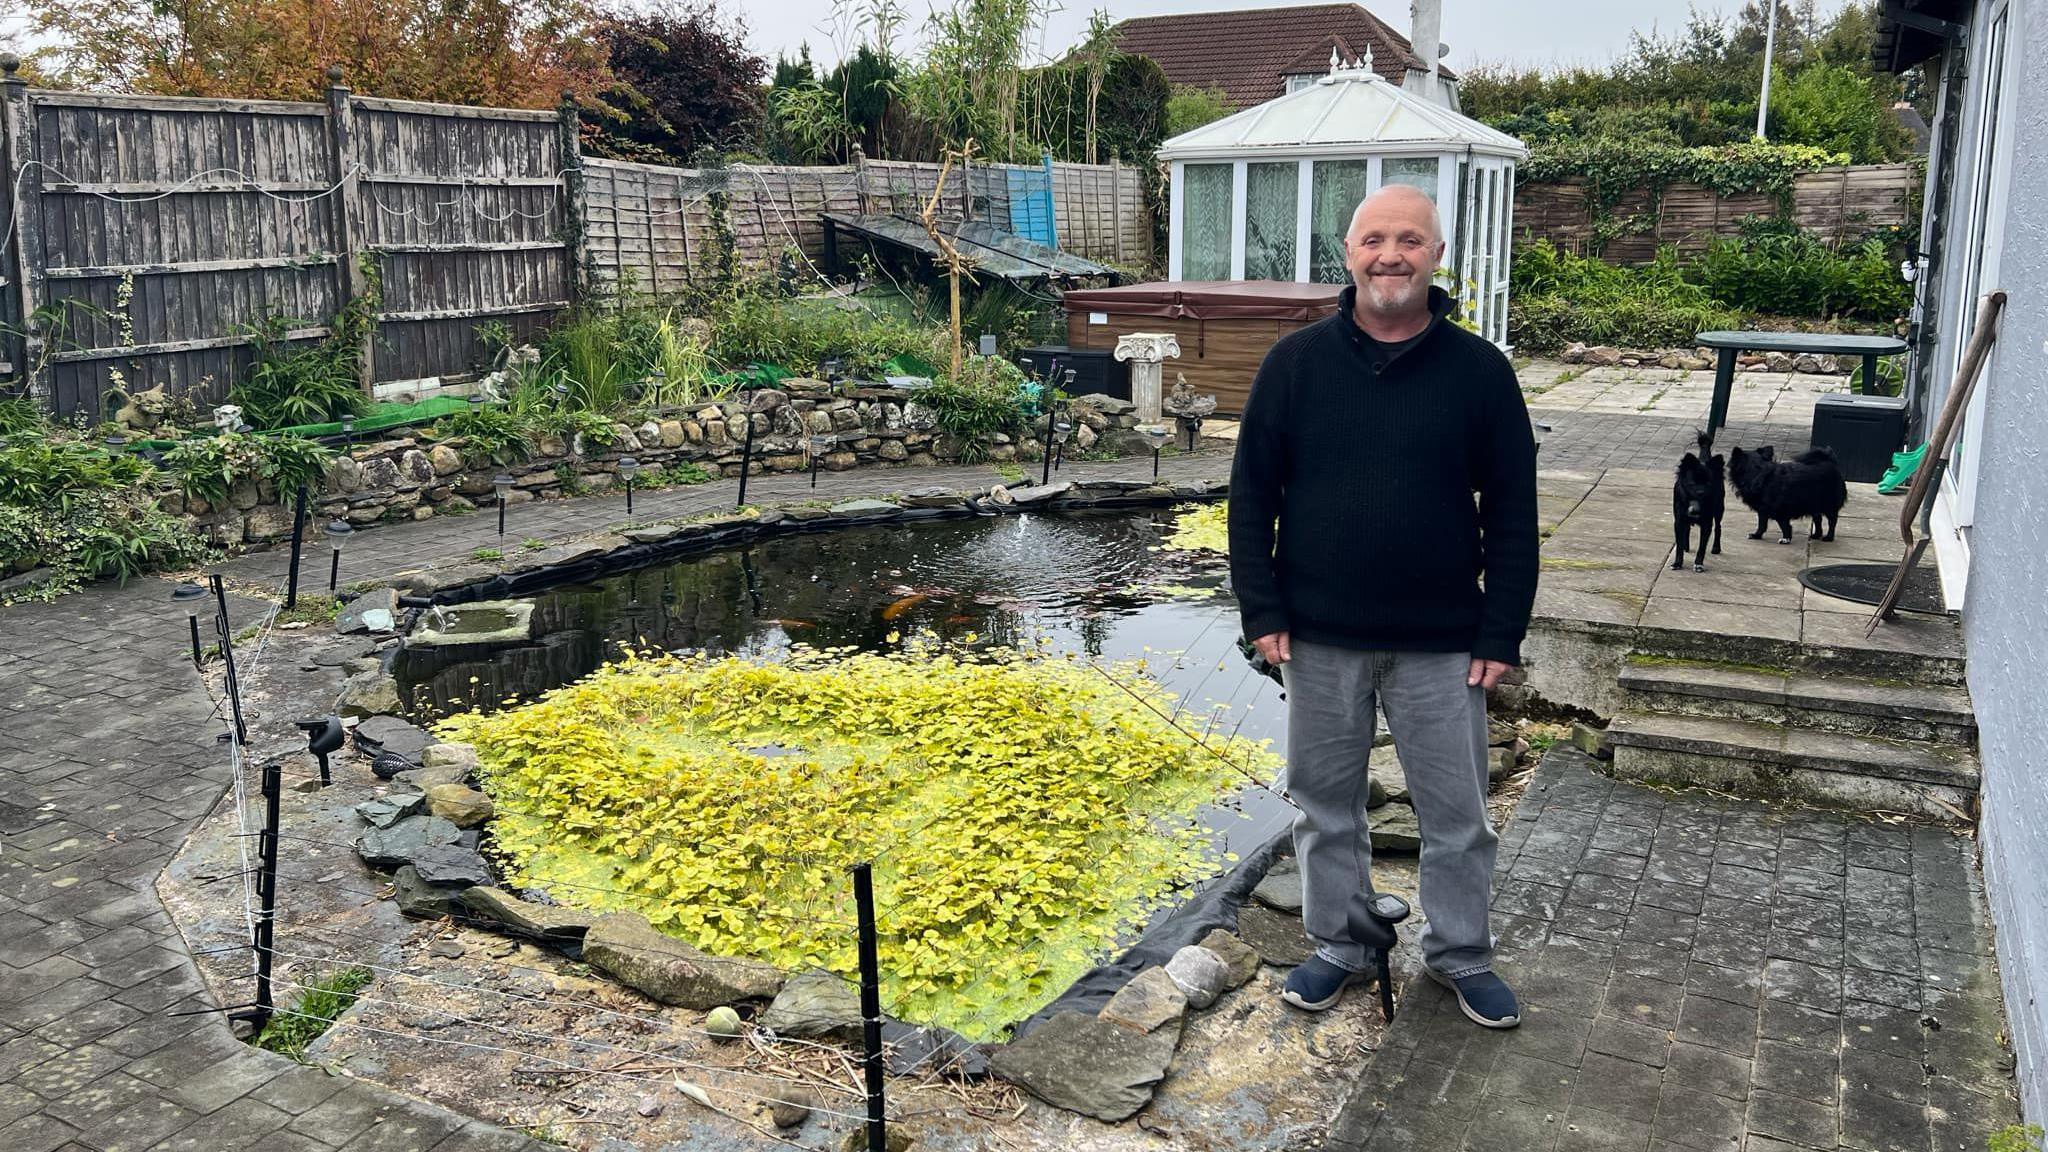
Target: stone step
1782	762
1889	663
1836	703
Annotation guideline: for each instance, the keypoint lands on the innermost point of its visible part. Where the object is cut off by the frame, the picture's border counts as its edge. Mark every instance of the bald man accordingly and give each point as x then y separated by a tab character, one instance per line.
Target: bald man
1383	551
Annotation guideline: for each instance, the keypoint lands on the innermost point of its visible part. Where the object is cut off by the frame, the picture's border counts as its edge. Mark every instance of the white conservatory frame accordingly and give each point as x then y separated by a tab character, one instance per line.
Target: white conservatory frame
1352	115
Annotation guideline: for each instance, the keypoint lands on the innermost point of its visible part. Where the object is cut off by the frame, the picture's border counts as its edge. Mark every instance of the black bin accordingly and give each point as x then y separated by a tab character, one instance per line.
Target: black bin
1862	432
1093	371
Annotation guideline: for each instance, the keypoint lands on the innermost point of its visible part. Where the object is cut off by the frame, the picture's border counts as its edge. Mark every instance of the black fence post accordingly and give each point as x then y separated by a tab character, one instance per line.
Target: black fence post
870	1005
746	448
291	587
266	888
227	655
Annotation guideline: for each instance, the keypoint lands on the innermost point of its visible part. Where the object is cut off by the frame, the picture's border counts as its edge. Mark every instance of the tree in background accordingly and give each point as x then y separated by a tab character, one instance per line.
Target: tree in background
1191	107
681	79
1699	86
517	53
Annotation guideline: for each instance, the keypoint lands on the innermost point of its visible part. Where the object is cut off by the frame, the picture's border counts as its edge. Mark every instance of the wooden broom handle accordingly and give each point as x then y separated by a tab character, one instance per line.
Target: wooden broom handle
1952	409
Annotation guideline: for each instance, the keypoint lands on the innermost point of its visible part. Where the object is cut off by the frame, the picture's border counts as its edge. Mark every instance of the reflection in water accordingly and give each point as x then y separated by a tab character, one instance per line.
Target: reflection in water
1089	584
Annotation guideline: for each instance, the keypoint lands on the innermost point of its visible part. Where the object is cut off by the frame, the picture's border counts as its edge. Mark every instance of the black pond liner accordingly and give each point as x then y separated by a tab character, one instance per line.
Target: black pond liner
1216	901
1866	584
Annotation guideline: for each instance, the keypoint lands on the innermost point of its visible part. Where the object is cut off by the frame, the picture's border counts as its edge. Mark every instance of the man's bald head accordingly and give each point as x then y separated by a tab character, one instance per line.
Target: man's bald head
1392	250
1404	202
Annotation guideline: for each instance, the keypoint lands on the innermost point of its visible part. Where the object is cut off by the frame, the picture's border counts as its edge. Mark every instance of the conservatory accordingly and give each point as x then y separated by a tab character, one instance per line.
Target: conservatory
1266	194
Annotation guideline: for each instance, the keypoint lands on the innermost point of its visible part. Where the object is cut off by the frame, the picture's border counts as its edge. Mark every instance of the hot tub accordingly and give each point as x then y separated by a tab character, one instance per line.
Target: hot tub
1224	326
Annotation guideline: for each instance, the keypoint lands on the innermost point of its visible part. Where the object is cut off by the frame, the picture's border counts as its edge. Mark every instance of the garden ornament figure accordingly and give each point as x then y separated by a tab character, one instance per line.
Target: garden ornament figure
227	417
1187	410
1373	584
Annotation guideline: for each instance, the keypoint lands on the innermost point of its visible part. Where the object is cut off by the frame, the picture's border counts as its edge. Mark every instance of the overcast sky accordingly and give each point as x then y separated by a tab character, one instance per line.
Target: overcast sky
1522	31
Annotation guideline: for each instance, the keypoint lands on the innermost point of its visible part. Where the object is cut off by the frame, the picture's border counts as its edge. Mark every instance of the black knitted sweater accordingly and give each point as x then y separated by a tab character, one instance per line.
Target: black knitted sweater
1403	488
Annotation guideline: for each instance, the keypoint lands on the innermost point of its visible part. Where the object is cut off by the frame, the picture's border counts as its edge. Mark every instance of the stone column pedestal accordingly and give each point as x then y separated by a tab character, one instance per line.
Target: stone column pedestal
1147	352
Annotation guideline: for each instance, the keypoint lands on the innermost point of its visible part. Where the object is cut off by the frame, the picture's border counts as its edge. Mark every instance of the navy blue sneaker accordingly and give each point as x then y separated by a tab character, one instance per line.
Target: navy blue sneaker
1486	998
1316	985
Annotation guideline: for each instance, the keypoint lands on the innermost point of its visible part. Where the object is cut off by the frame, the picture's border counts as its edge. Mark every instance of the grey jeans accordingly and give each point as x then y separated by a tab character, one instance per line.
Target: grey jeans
1439	729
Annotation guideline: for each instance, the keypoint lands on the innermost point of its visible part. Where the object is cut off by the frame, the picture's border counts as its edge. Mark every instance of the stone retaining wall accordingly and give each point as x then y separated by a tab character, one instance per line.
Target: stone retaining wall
417	478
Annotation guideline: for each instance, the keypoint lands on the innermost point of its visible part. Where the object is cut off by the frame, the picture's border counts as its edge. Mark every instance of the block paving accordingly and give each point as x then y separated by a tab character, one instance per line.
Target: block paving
1707	974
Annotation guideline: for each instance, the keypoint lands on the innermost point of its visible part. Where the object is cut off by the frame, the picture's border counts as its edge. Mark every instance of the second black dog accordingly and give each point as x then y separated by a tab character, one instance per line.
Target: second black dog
1807	488
1698	496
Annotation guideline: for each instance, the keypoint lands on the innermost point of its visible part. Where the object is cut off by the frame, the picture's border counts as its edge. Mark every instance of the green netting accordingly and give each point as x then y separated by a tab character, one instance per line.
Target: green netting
376	418
910	364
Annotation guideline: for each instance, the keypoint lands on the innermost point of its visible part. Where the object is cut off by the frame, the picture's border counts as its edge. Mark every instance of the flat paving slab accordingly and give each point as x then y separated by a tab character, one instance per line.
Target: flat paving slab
1709	974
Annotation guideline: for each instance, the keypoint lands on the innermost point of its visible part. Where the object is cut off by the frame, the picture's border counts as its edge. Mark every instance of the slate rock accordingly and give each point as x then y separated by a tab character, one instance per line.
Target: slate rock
385	811
1389	777
864	508
1500	764
1280	891
340	652
395	846
1276	936
1089	1066
1237	956
628	949
652	534
1200	973
426	779
1149	1001
424	901
459	804
392	734
451	865
815	1005
1500	732
518	917
932	497
373	611
913	1051
1038	493
1395	830
368	693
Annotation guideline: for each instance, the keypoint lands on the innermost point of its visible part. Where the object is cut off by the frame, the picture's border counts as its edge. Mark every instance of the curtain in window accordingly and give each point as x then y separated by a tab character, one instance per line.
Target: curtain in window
1270	193
1336	187
1205	222
1417	172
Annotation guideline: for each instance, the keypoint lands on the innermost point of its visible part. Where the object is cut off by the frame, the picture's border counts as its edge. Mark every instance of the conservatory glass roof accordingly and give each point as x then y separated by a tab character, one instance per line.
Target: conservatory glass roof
1352	112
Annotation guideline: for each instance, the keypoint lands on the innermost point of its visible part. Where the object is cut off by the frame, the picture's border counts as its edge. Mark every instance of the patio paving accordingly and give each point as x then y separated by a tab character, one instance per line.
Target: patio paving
1707	974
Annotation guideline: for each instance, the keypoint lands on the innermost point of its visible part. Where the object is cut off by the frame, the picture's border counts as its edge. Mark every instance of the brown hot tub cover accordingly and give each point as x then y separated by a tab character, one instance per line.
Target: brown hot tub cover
1211	300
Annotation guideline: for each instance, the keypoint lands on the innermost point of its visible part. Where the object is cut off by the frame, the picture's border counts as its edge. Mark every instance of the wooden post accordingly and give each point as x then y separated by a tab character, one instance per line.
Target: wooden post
25	263
348	261
575	248
1116	205
860	178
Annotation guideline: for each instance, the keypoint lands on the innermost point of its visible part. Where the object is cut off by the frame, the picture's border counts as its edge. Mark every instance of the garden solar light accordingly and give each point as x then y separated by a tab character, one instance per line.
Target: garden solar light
817	446
116	442
348	429
628	468
502	483
1156	435
988	344
244	428
190	595
833	367
323	739
338	532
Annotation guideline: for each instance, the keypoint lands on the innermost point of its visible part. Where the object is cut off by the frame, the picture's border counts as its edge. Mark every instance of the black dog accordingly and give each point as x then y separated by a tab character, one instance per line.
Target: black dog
1808	488
1698	497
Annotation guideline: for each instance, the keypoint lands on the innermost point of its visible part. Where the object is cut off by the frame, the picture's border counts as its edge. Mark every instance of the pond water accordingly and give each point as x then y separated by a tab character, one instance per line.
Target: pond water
1098	585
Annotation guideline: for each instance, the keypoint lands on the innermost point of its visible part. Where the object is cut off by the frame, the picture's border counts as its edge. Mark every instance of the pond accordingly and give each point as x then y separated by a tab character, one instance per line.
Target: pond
913	621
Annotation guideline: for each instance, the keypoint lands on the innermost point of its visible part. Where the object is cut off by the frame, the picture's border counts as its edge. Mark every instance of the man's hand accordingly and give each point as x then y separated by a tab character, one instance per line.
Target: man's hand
1274	648
1487	673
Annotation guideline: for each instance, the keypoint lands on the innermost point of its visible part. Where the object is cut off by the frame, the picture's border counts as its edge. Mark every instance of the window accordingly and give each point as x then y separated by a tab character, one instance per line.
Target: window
1336	188
1270	194
1417	172
1297	83
1205	222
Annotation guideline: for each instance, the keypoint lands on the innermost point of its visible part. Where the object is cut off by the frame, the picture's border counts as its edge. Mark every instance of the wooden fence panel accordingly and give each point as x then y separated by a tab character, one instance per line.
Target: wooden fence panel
1838	204
464	211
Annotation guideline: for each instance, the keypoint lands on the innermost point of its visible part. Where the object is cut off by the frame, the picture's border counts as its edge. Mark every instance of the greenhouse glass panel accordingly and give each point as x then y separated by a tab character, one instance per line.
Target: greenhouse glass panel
1270	193
1205	222
1336	187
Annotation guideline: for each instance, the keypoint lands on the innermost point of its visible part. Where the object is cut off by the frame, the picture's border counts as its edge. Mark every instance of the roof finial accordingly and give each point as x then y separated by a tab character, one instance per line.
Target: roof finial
1336	61
1366	62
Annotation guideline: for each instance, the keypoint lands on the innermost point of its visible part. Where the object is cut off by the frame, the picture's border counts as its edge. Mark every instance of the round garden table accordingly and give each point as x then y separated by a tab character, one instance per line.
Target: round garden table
1727	345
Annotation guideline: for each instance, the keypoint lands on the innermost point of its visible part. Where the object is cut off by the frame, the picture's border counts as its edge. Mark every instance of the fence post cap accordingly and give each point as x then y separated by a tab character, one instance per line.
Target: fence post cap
335	74
9	63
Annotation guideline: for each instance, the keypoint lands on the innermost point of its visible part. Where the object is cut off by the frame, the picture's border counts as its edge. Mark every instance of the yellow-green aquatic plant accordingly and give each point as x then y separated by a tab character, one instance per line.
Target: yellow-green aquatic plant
1022	812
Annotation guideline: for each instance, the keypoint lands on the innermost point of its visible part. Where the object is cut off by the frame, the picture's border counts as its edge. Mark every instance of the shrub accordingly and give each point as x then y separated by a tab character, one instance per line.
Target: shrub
751	326
498	433
117	532
987	397
1557	298
210	468
40	469
1777	269
298	382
